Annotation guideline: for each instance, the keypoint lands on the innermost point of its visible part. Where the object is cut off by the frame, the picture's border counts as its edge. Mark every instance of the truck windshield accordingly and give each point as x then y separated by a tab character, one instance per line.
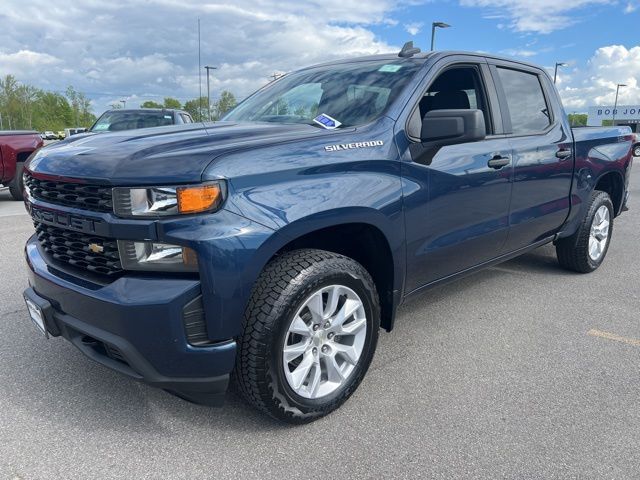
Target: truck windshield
353	94
115	120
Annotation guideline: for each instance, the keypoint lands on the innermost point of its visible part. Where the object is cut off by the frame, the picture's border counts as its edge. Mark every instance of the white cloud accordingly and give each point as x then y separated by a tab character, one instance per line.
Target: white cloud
540	16
148	49
24	61
631	7
519	53
596	83
413	28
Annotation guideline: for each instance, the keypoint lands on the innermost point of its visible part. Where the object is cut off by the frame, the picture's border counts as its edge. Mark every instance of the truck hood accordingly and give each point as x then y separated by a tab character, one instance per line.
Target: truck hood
176	154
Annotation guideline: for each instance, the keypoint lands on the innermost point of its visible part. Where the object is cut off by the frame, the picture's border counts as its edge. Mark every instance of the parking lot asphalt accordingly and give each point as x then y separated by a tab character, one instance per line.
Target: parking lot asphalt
520	371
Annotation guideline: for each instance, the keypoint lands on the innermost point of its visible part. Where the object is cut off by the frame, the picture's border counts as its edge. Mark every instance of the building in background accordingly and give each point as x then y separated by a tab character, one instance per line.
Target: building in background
628	115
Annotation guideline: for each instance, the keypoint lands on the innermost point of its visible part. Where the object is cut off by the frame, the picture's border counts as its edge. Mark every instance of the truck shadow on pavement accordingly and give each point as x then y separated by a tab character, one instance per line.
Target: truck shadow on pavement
61	385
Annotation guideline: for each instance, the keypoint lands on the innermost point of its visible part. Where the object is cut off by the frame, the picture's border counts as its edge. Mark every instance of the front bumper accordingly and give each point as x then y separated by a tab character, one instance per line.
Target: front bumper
133	325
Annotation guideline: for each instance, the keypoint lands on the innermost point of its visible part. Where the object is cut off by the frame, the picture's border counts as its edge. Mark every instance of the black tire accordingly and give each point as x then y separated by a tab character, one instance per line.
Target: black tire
16	185
573	251
279	292
636	150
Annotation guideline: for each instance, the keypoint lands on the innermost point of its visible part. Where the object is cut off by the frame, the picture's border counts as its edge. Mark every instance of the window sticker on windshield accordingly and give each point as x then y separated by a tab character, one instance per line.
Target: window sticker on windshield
326	121
390	68
168	117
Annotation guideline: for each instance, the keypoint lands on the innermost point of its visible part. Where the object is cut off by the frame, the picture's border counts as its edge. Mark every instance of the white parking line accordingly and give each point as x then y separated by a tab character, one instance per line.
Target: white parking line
612	336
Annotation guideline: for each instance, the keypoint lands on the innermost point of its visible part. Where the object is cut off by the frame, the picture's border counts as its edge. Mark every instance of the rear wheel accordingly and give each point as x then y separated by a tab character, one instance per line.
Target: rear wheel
310	332
15	187
585	250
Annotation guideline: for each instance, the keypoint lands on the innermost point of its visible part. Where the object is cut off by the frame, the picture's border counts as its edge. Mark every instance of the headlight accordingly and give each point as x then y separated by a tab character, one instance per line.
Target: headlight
164	201
156	257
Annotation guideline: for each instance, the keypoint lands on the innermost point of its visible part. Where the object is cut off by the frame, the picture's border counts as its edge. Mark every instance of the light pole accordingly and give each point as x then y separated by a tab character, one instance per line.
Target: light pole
435	25
207	68
555	73
615	104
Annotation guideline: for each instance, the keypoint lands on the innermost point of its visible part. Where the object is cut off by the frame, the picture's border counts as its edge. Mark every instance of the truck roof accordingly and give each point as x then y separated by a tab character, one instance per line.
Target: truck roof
423	56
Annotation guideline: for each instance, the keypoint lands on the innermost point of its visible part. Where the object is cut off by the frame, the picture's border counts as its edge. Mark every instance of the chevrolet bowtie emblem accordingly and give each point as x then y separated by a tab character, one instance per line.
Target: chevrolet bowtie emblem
96	248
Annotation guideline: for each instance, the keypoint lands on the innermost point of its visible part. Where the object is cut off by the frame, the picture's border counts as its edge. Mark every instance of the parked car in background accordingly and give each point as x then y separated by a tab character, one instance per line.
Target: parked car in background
68	132
49	135
15	148
132	119
60	134
636	144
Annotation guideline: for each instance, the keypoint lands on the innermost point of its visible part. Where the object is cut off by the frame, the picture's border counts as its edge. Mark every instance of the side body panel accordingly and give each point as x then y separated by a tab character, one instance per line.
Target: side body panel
305	189
598	151
456	206
542	180
456	210
11	147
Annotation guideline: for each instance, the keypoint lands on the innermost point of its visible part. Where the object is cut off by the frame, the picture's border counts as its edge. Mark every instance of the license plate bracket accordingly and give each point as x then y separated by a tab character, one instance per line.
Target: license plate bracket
37	308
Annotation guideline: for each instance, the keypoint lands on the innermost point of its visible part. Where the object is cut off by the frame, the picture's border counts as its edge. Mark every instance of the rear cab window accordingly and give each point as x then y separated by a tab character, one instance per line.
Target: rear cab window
526	102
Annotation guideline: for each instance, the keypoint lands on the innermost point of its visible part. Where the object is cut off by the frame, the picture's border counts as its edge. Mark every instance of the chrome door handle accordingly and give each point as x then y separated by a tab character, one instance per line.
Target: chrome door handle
564	153
498	162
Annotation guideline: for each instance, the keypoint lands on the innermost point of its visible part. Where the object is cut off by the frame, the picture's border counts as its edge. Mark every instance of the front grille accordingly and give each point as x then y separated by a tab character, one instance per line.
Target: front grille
73	248
86	197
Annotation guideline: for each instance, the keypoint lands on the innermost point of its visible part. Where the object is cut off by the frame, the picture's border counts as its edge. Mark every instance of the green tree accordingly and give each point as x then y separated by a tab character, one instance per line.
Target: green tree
197	109
27	107
225	103
52	112
150	104
10	103
578	119
172	103
81	107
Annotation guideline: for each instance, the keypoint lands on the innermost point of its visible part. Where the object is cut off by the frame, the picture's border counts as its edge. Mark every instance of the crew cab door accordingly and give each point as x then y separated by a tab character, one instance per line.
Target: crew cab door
456	195
542	144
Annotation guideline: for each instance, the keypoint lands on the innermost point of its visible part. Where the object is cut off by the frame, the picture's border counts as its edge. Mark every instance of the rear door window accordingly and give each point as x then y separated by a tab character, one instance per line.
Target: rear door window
525	98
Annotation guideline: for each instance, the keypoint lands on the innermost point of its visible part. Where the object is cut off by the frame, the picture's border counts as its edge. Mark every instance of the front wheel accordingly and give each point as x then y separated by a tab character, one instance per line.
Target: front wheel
584	251
16	185
310	332
636	150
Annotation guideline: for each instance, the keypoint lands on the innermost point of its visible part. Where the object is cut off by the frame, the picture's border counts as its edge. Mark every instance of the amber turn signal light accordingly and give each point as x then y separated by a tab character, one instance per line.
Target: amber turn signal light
198	199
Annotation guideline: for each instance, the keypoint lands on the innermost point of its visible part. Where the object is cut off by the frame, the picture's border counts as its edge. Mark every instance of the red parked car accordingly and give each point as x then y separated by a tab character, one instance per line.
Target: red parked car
15	148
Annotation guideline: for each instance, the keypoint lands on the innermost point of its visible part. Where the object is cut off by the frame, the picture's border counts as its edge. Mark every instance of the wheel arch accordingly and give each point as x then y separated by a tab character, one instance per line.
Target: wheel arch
367	237
612	183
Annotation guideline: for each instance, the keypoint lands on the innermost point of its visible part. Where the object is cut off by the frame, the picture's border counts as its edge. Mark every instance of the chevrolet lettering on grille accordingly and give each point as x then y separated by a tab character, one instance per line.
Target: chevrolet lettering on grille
61	219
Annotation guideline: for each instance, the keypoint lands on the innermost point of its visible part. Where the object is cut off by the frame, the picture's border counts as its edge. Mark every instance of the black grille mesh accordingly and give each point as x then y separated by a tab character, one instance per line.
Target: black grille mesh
73	248
86	197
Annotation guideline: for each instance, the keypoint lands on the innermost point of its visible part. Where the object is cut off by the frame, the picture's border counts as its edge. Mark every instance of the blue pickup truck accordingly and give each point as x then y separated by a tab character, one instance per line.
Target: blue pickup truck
272	246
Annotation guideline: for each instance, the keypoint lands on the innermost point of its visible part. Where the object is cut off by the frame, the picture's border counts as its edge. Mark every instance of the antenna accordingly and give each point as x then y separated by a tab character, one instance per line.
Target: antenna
199	74
408	50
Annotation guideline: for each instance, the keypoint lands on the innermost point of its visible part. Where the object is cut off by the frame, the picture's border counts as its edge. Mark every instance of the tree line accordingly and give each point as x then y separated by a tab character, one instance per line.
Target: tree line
197	108
27	107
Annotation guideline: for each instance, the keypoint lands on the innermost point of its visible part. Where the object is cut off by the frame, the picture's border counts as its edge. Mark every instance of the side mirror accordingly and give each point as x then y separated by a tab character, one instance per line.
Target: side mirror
447	127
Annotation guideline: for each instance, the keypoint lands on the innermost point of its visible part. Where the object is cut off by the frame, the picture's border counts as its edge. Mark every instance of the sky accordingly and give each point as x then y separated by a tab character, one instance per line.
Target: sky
140	50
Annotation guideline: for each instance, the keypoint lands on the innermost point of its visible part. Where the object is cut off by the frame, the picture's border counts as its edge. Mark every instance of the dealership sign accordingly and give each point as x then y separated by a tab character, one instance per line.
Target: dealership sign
622	112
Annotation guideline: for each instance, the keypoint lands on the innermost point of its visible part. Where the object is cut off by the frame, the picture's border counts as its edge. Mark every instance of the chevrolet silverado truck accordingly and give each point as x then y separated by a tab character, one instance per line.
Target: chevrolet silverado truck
15	148
272	246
